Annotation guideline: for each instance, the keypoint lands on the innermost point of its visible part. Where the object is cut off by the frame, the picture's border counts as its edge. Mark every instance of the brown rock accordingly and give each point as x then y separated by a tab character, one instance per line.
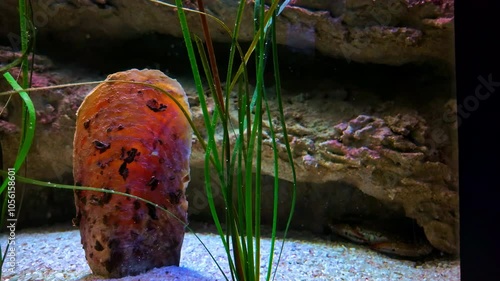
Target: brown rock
386	32
365	158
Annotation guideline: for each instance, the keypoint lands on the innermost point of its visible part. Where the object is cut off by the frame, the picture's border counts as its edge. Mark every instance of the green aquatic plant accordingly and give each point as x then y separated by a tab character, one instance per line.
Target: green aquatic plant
234	167
28	113
238	164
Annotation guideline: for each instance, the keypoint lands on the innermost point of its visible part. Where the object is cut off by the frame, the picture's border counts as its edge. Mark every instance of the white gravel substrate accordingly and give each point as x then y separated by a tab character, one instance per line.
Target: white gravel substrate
56	254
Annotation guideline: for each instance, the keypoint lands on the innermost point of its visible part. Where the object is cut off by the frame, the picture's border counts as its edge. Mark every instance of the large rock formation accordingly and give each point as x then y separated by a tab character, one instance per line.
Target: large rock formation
355	152
391	32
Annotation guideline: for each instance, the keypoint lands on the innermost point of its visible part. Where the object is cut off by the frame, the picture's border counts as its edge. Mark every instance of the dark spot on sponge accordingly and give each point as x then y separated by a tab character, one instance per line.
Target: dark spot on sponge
98	247
175	197
101	146
123	170
152	211
153	183
106	197
155	106
100	201
137	205
94	200
130	155
113	264
86	124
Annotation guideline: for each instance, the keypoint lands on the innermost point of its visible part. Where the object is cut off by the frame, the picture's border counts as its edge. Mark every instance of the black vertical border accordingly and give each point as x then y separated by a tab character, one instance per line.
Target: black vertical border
477	37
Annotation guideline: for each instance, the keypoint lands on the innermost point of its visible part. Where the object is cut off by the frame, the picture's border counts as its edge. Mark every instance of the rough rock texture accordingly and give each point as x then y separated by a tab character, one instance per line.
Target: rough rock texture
391	158
391	32
356	153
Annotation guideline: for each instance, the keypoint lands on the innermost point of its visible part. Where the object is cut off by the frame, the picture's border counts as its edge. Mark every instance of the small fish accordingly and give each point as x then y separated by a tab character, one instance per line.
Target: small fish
403	249
349	232
381	242
372	236
359	234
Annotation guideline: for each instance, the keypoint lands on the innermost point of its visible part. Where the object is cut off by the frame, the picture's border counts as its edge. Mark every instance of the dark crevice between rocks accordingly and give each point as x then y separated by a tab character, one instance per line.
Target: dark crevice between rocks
299	67
415	86
317	204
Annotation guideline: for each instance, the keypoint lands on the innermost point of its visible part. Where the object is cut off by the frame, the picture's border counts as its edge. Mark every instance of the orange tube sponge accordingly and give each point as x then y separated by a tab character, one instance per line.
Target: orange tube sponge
134	139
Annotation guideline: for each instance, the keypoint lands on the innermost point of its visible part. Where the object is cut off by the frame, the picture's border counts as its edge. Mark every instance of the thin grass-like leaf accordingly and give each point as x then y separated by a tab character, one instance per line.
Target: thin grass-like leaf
288	149
275	151
29	131
28	114
108	190
233	166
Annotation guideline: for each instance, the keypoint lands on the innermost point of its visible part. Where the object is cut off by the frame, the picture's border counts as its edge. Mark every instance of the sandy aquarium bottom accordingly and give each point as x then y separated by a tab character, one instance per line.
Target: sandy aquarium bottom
56	254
